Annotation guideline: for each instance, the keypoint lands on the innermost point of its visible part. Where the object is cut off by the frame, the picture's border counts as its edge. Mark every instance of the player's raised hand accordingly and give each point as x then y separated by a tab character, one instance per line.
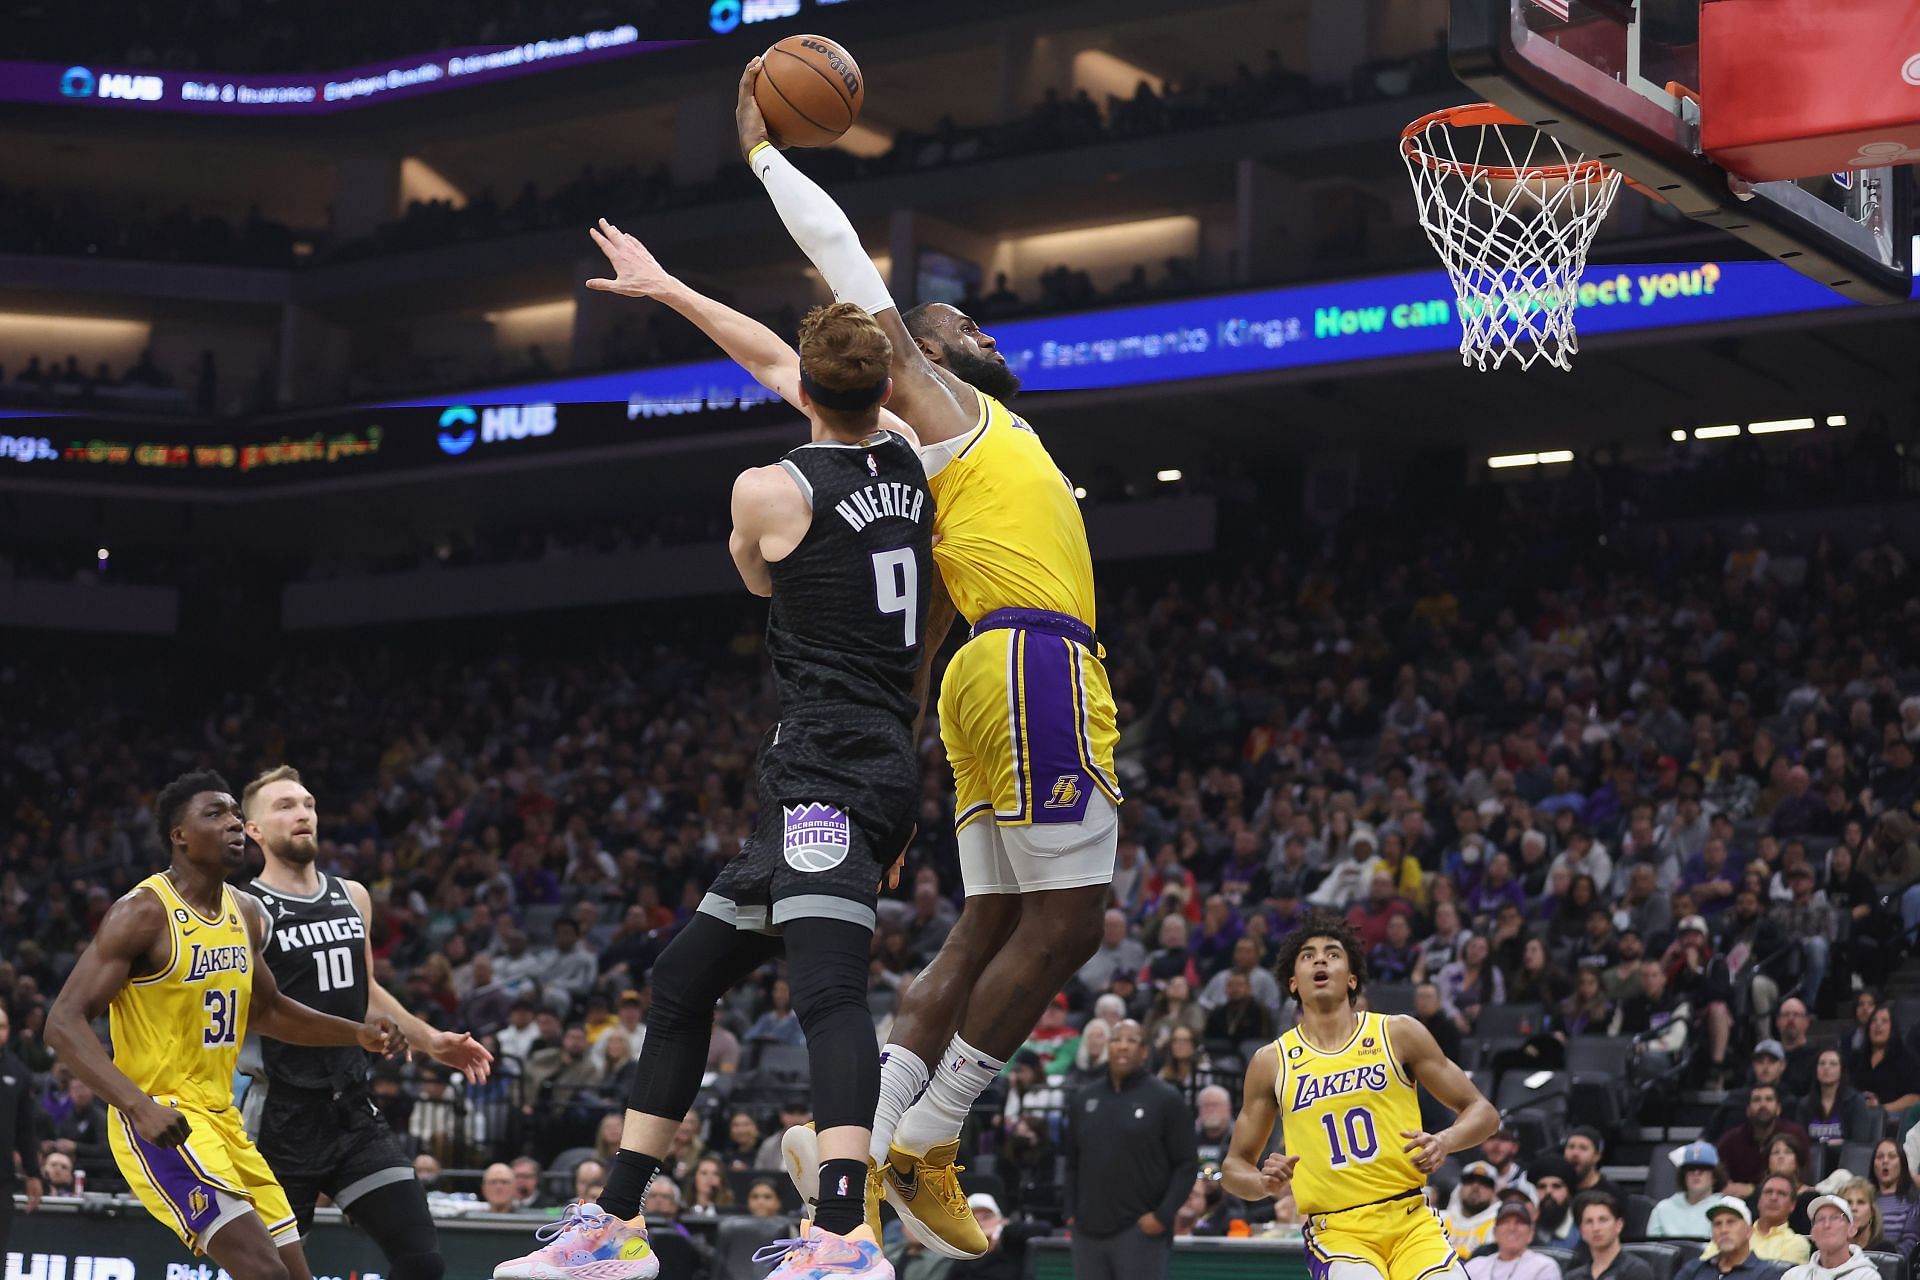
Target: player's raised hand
160	1125
459	1050
1277	1171
747	120
636	272
1427	1150
382	1035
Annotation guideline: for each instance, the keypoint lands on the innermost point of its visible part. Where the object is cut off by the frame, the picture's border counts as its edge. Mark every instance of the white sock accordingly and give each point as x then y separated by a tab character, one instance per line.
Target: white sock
903	1077
962	1076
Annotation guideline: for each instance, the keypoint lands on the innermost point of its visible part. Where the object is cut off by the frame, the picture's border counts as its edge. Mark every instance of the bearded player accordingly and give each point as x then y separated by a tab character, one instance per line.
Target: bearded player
316	1123
177	966
1026	716
1355	1156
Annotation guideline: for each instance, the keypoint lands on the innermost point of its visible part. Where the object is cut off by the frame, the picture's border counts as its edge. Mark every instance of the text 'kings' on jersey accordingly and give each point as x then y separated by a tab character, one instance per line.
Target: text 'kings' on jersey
317	949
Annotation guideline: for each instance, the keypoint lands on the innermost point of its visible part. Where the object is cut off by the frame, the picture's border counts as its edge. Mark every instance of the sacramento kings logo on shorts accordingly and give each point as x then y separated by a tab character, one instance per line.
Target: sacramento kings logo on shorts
817	837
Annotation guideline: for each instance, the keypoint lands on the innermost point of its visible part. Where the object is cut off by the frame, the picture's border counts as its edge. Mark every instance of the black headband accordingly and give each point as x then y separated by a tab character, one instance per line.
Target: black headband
846	401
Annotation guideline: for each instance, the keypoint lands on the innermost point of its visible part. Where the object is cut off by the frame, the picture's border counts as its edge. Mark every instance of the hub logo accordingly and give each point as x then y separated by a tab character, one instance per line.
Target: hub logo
76	82
131	88
724	16
453	441
458	425
517	422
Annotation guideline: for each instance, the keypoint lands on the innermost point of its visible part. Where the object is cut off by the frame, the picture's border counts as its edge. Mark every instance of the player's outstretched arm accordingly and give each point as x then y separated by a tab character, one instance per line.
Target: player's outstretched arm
1474	1119
456	1049
755	348
1243	1173
127	935
940	408
273	1014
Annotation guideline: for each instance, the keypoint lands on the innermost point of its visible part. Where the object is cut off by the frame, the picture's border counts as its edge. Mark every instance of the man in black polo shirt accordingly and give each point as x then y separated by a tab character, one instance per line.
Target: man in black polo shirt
1733	1238
16	1133
1130	1165
1601	1221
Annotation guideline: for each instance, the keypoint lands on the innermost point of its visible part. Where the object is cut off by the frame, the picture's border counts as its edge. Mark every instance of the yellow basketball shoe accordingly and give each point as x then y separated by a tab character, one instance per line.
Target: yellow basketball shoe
925	1192
800	1152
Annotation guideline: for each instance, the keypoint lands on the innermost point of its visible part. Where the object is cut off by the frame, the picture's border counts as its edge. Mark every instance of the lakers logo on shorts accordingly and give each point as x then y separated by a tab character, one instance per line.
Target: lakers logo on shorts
817	837
1066	792
197	1201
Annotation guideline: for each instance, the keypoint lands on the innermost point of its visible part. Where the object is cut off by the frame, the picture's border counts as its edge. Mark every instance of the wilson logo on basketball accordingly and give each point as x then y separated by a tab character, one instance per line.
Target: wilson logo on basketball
841	67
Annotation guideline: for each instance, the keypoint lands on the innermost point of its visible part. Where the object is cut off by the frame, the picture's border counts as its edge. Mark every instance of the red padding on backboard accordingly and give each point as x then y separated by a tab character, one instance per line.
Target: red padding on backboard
1799	88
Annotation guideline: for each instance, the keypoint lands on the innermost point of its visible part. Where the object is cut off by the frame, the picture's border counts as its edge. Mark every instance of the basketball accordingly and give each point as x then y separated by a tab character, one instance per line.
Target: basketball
809	90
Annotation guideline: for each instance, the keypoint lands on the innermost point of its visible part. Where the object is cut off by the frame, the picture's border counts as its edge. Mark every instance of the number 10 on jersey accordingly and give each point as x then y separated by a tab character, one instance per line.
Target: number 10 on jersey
1362	1144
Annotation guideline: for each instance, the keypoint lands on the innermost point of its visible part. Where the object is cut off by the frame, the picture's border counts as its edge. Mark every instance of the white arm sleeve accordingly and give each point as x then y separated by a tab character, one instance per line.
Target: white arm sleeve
822	231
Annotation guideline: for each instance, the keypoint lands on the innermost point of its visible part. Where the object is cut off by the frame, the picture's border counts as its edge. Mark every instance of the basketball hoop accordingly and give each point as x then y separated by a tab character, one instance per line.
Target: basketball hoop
1512	212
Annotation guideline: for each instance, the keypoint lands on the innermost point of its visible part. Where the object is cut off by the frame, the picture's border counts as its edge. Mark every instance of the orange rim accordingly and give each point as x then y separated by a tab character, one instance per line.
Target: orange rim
1485	113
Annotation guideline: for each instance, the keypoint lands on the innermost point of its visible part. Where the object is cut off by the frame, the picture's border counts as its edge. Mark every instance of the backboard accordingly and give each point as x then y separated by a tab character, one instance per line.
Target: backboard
1618	80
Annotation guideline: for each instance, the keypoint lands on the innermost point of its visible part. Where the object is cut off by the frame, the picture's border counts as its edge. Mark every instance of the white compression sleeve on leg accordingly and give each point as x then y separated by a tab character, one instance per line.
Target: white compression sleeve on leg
822	231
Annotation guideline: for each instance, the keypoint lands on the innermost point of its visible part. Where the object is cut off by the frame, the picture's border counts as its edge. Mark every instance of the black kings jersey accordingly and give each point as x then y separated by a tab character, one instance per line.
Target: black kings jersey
317	951
849	614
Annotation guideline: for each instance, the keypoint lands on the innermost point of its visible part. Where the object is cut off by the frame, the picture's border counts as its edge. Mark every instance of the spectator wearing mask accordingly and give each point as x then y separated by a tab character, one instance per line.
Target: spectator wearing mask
1601	1220
1684	1213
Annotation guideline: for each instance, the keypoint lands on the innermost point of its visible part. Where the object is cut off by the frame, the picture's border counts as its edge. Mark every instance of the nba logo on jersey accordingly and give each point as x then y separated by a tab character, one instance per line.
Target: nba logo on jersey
872	466
817	837
1066	792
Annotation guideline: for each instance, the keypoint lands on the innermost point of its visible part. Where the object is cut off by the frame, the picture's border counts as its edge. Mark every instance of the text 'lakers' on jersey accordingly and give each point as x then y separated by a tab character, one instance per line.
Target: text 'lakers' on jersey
177	1033
1342	1113
1011	536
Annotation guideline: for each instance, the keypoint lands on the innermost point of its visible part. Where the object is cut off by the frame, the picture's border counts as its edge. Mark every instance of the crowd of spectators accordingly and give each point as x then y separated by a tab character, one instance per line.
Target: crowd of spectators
1665	791
78	224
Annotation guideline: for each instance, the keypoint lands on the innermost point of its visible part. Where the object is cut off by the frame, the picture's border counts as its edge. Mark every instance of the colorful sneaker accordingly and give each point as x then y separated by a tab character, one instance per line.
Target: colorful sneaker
925	1192
821	1255
800	1154
585	1244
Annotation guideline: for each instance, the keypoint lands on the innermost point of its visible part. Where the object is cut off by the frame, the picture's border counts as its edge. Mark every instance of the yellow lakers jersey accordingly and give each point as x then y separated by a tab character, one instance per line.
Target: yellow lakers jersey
177	1033
1342	1113
1011	536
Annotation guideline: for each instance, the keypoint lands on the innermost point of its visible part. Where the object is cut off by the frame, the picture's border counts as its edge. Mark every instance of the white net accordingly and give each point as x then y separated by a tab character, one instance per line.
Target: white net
1512	212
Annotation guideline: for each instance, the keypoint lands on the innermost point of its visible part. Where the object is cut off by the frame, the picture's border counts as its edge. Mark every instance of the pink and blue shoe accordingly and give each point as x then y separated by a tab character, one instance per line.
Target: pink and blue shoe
587	1244
821	1255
